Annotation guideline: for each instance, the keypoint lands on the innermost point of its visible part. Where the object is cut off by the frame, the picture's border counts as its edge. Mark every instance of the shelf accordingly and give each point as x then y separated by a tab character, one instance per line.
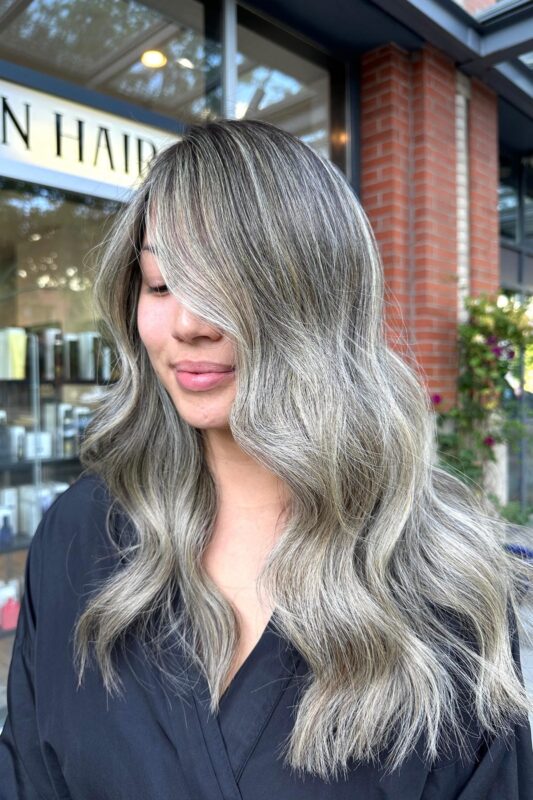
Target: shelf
82	381
16	466
19	542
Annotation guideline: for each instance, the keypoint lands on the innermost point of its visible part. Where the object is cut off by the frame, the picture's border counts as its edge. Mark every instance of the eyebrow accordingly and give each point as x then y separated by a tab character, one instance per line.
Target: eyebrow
148	248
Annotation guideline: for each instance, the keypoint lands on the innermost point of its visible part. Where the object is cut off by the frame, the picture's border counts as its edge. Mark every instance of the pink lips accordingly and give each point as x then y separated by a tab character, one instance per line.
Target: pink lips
201	381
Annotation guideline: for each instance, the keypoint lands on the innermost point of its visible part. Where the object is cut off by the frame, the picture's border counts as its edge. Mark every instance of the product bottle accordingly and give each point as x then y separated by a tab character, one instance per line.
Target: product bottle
58	357
5	437
69	434
9	604
6	532
9	614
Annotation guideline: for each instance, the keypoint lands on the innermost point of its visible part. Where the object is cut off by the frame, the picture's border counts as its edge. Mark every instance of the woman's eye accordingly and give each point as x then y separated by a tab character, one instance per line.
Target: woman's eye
158	289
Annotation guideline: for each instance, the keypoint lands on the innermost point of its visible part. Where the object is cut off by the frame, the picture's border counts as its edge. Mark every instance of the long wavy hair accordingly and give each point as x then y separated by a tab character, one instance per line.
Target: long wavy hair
389	576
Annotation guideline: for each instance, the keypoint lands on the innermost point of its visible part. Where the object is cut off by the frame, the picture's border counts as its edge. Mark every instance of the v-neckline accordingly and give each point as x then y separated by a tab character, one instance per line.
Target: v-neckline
249	701
249	658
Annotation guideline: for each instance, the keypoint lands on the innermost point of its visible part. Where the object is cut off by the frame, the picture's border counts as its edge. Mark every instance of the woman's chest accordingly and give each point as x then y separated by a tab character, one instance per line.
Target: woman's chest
149	743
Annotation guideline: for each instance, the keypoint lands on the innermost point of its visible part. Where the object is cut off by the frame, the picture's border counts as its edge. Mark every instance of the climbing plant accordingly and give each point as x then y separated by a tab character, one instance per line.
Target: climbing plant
497	330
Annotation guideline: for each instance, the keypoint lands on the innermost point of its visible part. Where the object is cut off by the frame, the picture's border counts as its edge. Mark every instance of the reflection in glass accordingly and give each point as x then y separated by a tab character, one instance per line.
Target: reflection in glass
281	87
518	406
528	203
46	240
508	199
527	59
528	273
100	44
528	411
181	88
73	35
509	266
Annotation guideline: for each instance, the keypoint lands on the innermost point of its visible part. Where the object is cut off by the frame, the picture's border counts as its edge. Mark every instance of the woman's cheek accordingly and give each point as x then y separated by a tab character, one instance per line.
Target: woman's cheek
150	323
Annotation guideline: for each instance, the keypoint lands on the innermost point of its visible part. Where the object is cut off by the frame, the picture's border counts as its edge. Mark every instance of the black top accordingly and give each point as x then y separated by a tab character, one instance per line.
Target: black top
79	744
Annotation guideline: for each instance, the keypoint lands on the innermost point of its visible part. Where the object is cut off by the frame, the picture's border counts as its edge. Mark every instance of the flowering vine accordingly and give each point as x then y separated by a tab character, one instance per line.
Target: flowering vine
497	330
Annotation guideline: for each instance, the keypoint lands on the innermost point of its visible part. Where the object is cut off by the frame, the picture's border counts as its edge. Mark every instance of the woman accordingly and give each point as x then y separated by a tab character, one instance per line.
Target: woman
262	585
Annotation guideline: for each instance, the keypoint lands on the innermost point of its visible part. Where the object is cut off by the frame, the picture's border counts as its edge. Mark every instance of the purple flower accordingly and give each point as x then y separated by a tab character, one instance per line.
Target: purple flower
436	399
492	339
497	351
489	441
510	354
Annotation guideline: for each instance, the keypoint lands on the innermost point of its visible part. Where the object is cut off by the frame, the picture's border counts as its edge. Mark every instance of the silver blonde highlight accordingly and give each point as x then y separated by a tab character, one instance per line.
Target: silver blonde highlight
390	575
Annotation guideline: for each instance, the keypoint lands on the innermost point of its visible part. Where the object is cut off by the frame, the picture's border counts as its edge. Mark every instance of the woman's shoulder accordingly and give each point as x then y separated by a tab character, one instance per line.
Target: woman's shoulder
83	505
72	538
86	492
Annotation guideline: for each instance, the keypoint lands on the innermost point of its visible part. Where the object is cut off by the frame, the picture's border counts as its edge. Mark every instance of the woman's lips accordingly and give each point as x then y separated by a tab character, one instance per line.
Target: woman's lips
201	381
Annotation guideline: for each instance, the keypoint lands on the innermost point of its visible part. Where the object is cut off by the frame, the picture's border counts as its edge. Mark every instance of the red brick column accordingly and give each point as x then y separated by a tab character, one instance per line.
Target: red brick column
385	167
408	191
484	172
434	311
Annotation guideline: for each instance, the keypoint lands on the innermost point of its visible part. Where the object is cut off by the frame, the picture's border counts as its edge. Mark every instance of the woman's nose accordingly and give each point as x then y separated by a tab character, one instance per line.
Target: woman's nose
187	326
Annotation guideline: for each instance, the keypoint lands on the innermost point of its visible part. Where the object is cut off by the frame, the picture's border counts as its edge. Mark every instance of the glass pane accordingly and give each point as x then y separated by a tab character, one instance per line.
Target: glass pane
512	402
72	36
508	199
528	203
528	273
518	401
180	88
46	239
122	48
527	59
509	263
528	401
476	7
281	87
5	5
45	236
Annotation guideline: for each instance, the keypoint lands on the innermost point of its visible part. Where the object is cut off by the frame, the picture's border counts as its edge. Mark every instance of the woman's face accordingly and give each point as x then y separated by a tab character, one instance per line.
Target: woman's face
172	334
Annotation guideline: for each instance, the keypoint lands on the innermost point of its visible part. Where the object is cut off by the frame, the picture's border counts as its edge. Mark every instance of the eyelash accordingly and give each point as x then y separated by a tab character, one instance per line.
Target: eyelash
158	289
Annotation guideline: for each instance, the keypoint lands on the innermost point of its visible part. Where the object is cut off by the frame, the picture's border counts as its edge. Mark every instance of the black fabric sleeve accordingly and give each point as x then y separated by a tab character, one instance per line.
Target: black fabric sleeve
23	771
502	769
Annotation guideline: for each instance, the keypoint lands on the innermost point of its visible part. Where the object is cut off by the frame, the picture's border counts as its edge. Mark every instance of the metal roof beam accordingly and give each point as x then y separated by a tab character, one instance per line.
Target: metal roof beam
447	26
506	43
477	48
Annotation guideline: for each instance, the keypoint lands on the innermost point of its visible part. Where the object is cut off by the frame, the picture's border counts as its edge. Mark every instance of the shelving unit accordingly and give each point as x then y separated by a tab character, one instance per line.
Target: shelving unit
24	401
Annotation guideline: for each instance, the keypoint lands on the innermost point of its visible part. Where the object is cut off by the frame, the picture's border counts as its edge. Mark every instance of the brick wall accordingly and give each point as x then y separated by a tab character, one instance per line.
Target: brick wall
484	176
385	165
433	318
408	190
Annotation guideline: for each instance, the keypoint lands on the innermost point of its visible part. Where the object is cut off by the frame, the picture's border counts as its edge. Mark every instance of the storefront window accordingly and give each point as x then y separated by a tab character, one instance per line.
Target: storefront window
509	267
516	274
518	404
528	203
508	199
282	87
47	392
121	48
528	271
105	85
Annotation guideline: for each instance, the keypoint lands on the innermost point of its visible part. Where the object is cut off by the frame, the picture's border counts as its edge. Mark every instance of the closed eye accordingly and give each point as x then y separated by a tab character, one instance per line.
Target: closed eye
158	289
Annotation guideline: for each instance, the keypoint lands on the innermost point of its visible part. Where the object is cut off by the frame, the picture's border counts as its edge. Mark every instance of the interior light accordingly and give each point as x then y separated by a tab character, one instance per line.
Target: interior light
186	62
153	59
